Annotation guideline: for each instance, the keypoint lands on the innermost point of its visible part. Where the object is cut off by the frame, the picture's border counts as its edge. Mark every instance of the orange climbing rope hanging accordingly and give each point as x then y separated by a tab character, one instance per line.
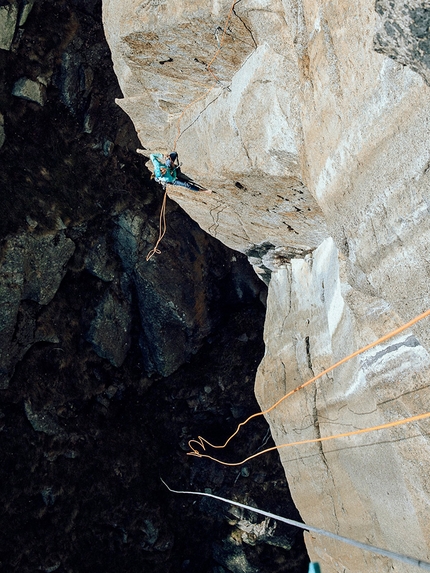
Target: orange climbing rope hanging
162	225
202	442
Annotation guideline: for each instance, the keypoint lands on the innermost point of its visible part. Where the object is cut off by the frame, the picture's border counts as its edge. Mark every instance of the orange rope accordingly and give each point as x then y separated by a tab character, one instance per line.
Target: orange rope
162	231
200	442
315	440
162	227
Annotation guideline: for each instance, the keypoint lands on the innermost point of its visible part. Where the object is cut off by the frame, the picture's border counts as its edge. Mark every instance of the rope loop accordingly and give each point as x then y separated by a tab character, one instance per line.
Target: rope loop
198	446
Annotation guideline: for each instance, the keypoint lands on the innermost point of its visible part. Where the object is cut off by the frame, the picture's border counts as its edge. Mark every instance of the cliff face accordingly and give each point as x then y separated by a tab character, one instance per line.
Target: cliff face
109	364
314	140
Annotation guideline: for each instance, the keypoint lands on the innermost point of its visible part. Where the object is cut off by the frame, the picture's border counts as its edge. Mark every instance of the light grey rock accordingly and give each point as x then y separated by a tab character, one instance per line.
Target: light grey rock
25	9
315	318
318	156
8	21
30	90
403	33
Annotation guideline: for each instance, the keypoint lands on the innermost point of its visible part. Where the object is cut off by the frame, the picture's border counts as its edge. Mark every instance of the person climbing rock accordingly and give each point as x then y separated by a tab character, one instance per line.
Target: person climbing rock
166	171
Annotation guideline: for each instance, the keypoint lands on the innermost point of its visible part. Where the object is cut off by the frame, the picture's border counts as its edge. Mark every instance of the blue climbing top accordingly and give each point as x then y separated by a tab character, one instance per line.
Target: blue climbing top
162	173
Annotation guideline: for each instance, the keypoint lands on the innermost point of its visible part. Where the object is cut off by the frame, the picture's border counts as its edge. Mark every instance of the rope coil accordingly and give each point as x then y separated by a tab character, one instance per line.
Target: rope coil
201	442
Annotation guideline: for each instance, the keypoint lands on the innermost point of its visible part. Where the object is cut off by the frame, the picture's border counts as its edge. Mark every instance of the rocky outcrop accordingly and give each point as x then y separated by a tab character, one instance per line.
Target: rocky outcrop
30	90
85	429
403	34
359	483
31	271
8	21
13	15
174	322
314	139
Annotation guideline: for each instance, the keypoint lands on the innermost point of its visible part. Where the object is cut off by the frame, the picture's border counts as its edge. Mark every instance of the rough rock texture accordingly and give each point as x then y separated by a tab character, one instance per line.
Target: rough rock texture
31	269
316	148
30	90
404	33
2	133
8	21
174	322
254	166
110	331
362	487
85	430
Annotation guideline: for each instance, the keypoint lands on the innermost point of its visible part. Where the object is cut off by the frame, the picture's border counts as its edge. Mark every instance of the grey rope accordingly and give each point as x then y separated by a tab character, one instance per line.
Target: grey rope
404	558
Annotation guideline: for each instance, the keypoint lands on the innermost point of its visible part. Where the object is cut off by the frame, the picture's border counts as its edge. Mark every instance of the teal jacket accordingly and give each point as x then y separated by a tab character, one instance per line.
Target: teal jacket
169	176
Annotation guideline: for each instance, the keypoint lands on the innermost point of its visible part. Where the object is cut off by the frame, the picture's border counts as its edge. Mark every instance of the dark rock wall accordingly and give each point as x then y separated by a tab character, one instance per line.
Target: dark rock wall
110	363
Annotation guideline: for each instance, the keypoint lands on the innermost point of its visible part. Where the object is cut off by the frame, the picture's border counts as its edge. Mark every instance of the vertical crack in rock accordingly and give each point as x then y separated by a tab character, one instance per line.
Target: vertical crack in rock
198	116
244	25
308	355
332	488
328	490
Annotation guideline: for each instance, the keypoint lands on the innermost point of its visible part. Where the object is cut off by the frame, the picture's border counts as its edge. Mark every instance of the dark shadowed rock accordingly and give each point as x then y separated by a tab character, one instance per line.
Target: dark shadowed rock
32	269
83	441
2	133
98	260
177	291
24	11
404	33
110	330
8	20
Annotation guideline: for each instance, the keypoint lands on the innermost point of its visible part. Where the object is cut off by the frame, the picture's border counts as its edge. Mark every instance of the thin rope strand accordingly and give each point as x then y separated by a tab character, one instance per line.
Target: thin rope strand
162	226
200	441
162	229
376	550
316	440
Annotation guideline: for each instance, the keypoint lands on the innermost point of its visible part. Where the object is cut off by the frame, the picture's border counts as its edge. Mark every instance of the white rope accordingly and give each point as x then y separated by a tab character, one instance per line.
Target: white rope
403	558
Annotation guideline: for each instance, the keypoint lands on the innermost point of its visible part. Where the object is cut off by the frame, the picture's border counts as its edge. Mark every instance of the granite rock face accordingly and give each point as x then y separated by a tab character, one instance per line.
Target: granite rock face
174	322
30	90
8	21
242	135
404	33
361	486
31	270
314	138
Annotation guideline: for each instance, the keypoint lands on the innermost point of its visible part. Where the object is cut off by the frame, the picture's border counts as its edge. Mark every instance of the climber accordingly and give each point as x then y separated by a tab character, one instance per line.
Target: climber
166	171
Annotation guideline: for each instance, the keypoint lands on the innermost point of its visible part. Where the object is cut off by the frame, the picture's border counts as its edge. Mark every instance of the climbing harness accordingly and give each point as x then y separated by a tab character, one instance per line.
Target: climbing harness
376	550
201	442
